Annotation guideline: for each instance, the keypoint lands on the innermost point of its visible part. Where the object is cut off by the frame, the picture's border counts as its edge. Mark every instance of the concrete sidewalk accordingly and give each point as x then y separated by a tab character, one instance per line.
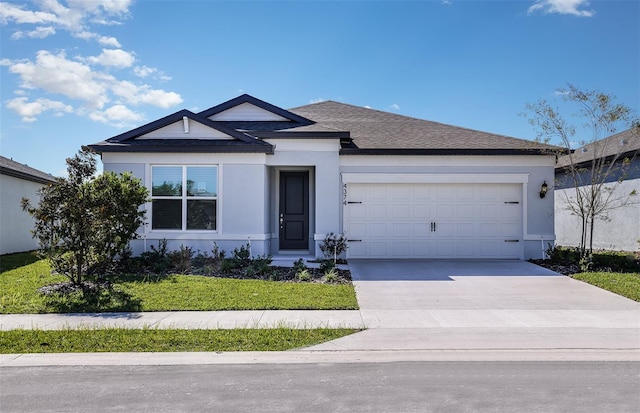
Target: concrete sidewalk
187	320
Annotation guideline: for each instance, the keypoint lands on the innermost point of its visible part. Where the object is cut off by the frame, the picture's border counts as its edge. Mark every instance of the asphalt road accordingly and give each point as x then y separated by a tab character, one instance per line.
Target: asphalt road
504	386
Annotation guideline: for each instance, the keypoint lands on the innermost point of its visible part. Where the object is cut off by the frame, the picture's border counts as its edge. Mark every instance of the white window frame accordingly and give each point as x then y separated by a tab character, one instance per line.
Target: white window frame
184	198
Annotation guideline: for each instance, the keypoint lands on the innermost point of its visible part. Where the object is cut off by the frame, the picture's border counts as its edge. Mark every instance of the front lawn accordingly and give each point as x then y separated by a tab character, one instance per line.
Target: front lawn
624	284
157	340
22	274
618	272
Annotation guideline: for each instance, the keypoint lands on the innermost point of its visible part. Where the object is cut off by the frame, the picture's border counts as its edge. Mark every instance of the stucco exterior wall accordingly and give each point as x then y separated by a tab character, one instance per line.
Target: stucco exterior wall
618	229
248	190
15	224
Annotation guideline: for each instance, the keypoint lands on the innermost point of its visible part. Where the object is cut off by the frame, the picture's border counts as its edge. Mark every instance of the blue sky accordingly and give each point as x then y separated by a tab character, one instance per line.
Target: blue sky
77	72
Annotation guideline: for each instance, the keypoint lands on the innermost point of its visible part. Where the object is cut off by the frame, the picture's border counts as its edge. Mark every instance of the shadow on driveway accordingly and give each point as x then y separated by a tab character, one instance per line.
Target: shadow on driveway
441	270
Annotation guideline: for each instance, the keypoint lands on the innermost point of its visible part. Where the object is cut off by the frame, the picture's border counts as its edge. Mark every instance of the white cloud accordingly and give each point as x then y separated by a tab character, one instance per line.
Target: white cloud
108	41
38	33
12	13
113	57
30	110
118	115
75	17
158	97
56	74
86	84
318	100
145	71
394	106
574	7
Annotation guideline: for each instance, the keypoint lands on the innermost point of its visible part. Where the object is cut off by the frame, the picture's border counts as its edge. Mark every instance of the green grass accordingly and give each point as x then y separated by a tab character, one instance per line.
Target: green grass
22	274
625	284
156	340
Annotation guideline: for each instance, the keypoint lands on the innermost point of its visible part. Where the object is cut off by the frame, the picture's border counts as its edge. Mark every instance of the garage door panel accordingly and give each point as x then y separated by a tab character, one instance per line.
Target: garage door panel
465	211
402	250
422	249
421	211
400	192
508	230
402	230
421	230
466	230
444	210
434	220
465	249
445	230
402	211
445	248
378	230
487	230
377	249
377	193
378	211
444	193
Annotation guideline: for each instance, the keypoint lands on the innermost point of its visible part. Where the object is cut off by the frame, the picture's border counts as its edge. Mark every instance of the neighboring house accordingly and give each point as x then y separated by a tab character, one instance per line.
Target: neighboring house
398	187
619	227
18	181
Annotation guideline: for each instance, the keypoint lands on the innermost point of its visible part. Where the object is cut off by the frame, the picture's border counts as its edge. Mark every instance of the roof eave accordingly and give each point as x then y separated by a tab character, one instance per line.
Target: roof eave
111	148
295	135
26	176
433	151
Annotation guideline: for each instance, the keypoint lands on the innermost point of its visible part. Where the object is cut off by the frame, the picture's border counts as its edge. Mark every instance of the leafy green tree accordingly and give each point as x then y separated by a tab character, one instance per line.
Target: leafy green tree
596	171
83	222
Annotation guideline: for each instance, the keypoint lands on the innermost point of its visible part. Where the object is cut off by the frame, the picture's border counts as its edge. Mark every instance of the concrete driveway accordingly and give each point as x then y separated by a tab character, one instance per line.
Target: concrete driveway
432	304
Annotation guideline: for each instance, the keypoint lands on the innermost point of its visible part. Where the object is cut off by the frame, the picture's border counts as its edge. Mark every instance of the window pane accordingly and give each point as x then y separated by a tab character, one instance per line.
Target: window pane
201	214
202	181
167	181
166	214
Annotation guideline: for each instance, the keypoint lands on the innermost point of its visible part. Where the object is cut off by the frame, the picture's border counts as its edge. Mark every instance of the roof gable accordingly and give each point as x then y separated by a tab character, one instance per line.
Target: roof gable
182	125
246	108
186	128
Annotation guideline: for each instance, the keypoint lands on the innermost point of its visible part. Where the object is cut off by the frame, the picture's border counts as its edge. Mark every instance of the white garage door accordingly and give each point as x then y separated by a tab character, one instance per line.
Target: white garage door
434	220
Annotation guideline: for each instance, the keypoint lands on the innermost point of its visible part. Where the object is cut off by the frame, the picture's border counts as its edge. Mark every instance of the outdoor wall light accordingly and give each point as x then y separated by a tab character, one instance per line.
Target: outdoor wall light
543	189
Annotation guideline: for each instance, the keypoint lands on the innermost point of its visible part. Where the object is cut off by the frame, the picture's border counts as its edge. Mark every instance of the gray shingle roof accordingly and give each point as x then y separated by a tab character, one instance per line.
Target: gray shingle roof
12	168
625	144
374	129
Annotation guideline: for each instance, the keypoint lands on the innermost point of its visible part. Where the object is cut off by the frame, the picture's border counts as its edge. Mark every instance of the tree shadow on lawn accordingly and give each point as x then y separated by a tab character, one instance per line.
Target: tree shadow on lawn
10	262
93	299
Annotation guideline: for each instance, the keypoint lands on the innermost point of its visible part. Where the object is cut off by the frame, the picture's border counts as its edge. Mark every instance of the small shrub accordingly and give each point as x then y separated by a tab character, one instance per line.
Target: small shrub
200	260
157	259
616	261
333	245
227	265
274	275
242	256
327	265
561	255
217	253
330	276
303	275
181	259
299	265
